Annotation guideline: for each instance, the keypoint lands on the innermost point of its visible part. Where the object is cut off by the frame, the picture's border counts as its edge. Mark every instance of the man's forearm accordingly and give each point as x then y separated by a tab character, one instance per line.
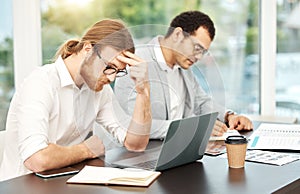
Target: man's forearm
138	132
56	156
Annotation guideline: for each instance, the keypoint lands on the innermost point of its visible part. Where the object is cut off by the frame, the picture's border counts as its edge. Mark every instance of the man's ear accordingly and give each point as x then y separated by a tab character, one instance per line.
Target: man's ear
87	47
177	34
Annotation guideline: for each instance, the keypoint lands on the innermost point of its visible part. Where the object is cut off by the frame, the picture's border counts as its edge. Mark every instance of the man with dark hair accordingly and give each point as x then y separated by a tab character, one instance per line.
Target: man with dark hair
175	93
190	21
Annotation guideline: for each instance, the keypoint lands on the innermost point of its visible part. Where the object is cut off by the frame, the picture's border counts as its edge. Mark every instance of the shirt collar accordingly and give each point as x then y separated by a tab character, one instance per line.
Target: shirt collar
63	72
160	57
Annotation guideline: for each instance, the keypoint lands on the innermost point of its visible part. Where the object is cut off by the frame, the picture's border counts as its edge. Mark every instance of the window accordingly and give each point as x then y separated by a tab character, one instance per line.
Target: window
234	48
288	58
6	60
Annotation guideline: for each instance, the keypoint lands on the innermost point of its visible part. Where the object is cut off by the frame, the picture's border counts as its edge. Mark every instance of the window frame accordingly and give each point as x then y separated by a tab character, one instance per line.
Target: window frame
27	38
267	47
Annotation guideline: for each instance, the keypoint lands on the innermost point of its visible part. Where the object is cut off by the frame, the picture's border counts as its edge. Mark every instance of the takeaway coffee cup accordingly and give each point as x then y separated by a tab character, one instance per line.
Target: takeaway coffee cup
236	147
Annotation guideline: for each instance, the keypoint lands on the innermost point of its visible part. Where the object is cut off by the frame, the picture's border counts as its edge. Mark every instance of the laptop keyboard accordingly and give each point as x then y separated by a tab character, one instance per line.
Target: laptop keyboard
147	165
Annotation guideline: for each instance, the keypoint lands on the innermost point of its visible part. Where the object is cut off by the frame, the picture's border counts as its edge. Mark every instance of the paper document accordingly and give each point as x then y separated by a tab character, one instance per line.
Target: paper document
268	157
276	158
229	132
275	137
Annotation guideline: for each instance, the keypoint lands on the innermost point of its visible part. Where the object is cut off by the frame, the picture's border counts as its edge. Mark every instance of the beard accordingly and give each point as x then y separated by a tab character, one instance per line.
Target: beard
90	74
101	81
94	83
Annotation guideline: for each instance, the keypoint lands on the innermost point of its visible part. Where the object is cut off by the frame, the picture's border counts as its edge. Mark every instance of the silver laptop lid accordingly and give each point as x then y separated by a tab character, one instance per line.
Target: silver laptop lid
186	141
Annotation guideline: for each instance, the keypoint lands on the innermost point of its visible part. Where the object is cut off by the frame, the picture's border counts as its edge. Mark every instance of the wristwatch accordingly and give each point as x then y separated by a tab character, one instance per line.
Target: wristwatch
228	113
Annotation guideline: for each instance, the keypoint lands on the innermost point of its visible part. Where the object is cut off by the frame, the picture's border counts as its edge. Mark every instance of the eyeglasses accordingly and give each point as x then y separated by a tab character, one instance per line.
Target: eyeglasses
109	70
199	49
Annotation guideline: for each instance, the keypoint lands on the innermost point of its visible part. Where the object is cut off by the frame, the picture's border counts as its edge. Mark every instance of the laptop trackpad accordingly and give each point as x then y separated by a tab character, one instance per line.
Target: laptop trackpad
122	157
146	160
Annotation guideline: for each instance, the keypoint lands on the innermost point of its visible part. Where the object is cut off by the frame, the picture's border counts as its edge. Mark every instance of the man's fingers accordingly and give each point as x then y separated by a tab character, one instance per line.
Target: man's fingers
249	126
127	60
219	128
216	133
240	123
138	72
130	58
131	55
239	127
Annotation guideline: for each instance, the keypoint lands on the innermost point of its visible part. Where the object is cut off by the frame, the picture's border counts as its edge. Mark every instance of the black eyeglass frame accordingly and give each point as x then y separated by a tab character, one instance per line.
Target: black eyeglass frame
109	70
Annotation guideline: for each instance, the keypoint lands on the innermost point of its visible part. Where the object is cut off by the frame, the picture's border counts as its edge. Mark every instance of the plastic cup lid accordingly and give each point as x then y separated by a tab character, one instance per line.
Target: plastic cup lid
236	139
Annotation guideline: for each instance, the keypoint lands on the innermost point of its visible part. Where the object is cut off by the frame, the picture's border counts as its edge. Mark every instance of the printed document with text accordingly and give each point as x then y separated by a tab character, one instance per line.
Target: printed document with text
276	137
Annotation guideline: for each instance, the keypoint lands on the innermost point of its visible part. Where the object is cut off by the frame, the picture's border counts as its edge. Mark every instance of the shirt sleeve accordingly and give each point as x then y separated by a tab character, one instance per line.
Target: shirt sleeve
112	117
205	103
32	109
159	128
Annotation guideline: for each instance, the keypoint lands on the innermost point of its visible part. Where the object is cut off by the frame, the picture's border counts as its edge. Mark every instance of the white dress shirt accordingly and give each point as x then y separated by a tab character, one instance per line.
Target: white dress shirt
177	89
50	108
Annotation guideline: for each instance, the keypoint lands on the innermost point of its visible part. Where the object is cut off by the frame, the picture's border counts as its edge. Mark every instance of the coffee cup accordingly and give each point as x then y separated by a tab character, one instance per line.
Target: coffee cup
236	147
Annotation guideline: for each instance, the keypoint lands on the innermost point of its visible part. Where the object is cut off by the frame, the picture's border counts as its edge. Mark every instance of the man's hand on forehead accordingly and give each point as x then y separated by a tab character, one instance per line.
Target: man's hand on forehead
138	70
129	58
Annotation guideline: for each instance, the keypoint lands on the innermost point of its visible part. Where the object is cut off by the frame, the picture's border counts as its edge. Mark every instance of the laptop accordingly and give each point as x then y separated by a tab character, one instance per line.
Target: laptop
185	142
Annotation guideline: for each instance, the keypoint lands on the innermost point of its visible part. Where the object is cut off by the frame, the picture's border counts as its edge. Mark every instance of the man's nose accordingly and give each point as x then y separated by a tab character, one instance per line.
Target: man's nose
111	77
198	57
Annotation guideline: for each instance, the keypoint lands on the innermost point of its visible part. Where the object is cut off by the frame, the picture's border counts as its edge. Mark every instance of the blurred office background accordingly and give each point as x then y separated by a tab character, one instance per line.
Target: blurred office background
256	48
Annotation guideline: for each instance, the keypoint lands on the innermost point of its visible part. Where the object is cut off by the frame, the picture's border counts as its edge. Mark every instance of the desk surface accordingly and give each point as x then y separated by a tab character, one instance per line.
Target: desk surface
209	175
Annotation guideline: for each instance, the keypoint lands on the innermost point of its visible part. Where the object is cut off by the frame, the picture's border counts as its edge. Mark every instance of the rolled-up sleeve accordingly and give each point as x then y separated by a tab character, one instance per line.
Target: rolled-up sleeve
33	109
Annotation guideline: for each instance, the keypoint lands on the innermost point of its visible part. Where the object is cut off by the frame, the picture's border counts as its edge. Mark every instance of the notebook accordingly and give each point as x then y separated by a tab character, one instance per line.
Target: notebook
185	142
114	176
